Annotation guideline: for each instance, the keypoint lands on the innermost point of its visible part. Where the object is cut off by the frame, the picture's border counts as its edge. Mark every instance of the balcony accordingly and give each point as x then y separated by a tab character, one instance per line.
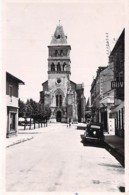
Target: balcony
12	101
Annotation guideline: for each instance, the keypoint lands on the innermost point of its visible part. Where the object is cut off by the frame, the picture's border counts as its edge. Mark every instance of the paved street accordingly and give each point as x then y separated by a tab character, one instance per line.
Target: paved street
56	160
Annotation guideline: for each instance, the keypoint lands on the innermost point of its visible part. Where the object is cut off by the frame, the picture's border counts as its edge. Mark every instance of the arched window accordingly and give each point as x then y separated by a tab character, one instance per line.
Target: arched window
59	96
53	67
56	53
61	52
58	36
64	65
58	67
58	100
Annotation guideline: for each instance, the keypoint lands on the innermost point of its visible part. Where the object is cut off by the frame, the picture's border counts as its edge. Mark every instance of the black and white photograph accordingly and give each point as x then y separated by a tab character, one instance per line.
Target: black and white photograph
64	91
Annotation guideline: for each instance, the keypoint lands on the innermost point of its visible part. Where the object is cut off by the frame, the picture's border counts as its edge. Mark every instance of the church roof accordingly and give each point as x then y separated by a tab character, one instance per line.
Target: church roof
59	37
45	82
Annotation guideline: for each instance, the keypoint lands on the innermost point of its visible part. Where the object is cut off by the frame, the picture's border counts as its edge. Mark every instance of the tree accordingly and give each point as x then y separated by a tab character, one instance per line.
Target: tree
29	109
35	111
21	105
46	112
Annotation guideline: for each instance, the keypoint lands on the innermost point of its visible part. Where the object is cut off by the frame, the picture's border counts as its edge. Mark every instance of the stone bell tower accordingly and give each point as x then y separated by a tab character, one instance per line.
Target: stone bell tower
59	93
58	74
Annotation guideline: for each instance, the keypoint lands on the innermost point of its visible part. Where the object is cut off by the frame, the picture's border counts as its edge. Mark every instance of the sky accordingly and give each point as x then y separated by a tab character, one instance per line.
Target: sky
29	26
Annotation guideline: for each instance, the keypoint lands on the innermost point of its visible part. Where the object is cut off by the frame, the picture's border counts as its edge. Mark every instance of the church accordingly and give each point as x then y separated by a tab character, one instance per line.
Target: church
64	97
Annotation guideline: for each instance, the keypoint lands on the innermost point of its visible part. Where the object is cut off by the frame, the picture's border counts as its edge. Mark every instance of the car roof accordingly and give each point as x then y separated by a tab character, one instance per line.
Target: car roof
93	123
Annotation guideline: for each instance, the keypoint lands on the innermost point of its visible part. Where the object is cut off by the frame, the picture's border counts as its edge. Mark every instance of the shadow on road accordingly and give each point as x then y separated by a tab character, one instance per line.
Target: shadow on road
113	152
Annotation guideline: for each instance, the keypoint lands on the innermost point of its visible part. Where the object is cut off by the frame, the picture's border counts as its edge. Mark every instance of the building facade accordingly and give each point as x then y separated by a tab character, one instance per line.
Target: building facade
12	87
107	99
88	110
107	91
64	97
102	98
117	58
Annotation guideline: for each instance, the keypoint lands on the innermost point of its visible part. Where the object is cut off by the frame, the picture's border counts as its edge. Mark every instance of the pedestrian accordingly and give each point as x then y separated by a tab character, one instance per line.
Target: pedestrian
69	122
46	121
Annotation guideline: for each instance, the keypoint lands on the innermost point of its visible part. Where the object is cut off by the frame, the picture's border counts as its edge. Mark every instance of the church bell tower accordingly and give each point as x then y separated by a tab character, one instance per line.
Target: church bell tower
59	73
59	92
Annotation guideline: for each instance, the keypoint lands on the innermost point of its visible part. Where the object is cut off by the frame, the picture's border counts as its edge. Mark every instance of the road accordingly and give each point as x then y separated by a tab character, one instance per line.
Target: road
56	161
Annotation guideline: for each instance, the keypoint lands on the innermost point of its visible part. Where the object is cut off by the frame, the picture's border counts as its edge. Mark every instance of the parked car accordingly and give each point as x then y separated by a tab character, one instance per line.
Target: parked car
93	133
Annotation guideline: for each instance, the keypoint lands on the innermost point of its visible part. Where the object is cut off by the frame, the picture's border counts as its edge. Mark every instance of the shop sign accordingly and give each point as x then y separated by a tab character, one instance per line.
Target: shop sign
117	84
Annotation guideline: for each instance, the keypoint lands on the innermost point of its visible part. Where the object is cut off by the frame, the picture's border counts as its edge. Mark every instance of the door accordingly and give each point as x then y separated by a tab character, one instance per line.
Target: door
58	116
104	120
12	121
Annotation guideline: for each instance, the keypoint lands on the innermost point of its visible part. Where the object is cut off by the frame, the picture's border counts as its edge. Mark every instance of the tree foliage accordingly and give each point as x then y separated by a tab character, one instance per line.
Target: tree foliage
22	109
32	109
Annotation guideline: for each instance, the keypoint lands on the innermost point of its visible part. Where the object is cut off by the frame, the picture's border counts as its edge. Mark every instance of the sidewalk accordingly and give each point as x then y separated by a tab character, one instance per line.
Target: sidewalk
23	135
17	139
115	145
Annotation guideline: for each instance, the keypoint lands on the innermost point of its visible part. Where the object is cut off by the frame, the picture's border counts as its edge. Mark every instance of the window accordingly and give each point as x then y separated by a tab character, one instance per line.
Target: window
64	66
58	37
59	80
119	120
56	53
12	121
58	67
122	112
58	100
61	53
10	92
52	67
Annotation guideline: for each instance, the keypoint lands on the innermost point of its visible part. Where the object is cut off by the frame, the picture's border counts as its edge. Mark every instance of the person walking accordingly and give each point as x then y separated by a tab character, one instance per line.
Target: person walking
46	121
69	122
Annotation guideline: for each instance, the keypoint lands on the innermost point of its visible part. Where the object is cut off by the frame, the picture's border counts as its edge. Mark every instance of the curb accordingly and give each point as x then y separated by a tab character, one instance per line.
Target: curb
115	152
20	141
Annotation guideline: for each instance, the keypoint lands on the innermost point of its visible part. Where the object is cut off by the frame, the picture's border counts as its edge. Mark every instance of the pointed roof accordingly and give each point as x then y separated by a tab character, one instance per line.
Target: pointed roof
59	37
12	77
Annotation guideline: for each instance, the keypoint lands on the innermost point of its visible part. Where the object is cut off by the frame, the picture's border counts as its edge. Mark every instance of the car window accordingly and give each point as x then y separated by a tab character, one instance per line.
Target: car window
95	126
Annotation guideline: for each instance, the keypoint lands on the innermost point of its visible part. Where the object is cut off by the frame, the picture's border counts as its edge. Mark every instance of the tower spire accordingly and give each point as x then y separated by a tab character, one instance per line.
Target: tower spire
59	36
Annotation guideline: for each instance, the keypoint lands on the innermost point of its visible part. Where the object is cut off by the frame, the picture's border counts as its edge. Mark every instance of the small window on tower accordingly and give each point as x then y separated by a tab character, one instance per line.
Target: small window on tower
58	37
52	67
59	80
58	67
64	66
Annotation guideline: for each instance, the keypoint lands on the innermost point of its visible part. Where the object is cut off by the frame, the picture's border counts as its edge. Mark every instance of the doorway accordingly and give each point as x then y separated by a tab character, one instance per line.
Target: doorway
104	120
12	121
58	116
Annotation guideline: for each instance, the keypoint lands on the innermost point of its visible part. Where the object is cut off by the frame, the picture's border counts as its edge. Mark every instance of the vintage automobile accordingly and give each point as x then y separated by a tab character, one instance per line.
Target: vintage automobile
93	133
